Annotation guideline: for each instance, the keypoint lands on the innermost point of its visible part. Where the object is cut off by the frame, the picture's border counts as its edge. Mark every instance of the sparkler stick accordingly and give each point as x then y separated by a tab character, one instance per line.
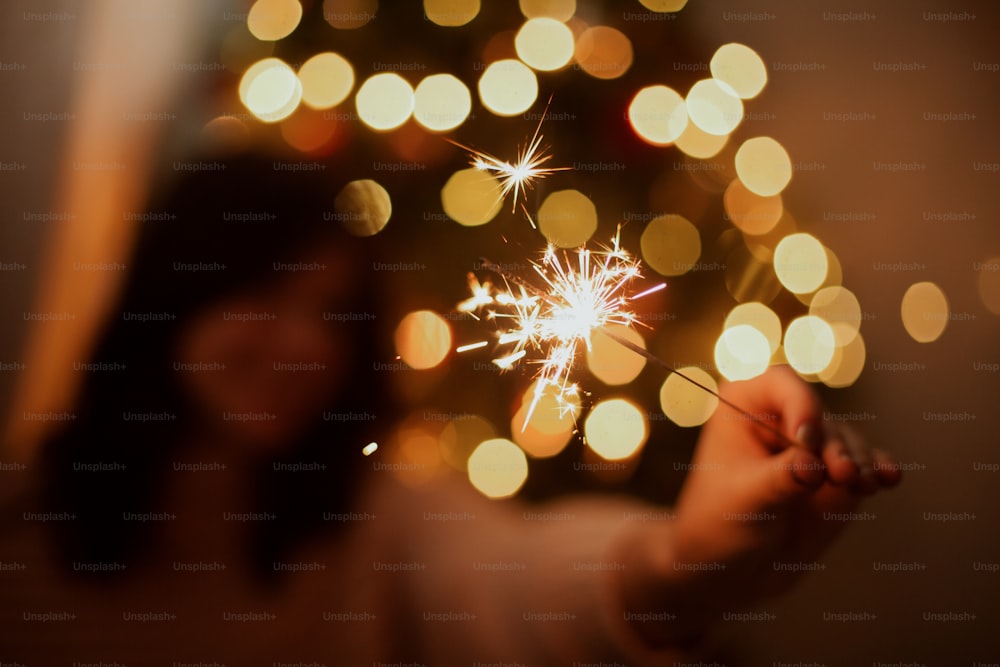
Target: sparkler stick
649	356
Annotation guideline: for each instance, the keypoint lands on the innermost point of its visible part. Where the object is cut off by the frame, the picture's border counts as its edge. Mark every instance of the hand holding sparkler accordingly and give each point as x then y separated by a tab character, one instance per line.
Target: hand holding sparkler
753	514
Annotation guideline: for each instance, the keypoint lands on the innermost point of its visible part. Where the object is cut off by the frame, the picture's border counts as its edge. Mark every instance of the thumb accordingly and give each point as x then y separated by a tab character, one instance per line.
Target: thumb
792	473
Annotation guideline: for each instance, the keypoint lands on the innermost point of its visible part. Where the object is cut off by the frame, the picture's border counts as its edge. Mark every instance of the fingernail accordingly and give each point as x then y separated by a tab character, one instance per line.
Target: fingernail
811	435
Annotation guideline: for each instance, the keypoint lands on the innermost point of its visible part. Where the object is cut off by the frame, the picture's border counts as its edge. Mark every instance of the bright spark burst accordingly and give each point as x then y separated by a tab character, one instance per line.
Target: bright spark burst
521	174
557	316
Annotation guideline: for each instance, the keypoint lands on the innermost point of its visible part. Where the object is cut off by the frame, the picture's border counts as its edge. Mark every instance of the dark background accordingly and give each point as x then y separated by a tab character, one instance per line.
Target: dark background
949	467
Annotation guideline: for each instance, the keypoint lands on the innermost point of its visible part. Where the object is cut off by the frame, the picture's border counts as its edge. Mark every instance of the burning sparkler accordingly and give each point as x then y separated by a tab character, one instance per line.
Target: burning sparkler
521	174
558	316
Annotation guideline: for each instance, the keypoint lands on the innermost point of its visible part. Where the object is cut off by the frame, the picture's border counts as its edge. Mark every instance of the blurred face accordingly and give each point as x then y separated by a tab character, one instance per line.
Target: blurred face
267	361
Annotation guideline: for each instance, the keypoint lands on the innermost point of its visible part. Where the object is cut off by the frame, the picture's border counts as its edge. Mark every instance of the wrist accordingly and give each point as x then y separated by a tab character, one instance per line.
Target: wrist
663	600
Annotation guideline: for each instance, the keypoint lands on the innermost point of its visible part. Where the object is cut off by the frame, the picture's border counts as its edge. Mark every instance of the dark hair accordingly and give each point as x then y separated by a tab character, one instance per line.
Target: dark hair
233	222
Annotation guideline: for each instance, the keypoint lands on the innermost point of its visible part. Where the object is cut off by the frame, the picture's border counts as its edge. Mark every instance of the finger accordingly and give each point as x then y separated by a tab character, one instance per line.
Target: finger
789	475
840	467
867	481
784	397
887	469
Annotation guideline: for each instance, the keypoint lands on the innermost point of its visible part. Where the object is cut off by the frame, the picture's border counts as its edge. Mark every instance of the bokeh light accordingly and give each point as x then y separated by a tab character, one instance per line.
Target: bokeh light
800	262
697	143
615	429
988	282
764	166
684	403
809	344
670	245
385	101
663	5
741	68
327	79
658	115
349	14
749	212
441	102
924	311
714	106
840	308
471	197
544	44
508	87
742	352
270	90
551	423
461	436
567	218
498	468
760	317
307	131
610	361
451	13
271	20
560	10
604	52
846	366
423	339
750	278
363	207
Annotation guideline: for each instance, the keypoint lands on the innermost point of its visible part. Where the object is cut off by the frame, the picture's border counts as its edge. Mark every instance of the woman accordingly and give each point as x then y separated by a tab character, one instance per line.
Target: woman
218	510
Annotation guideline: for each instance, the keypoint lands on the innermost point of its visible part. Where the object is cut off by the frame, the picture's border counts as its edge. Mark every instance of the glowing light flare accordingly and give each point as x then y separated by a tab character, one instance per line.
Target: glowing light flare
451	13
670	245
840	308
751	213
472	197
604	52
924	311
567	218
460	437
497	468
686	404
763	165
800	262
612	363
846	366
697	143
615	429
544	44
714	106
760	317
385	101
988	283
370	448
363	207
741	68
560	10
663	6
508	87
308	131
349	14
546	431
658	115
270	90
423	339
809	344
327	79
441	102
742	352
271	20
